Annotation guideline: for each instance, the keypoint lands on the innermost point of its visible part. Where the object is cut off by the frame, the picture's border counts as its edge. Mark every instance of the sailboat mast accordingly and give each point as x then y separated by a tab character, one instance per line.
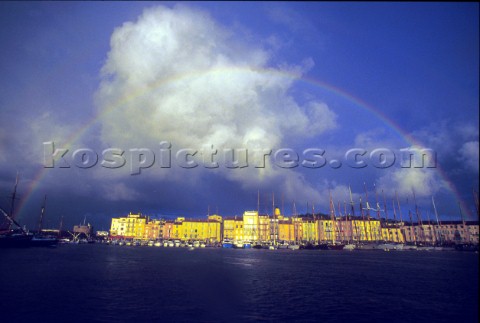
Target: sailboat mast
274	219
376	201
366	201
352	218
363	220
394	212
14	196
385	206
438	220
417	214
294	222
412	231
42	214
399	209
332	215
467	233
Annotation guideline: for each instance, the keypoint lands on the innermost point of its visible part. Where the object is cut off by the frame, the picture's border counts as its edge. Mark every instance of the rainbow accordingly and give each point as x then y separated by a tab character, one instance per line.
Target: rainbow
292	76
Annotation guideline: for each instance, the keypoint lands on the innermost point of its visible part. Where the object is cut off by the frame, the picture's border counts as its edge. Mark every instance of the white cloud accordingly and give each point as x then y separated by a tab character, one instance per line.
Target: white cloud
176	75
469	156
424	181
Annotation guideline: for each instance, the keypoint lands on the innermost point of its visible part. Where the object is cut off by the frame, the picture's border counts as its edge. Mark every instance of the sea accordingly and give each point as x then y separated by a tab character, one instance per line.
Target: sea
105	283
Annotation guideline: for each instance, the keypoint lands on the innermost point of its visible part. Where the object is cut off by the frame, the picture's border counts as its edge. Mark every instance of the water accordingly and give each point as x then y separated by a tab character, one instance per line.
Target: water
100	283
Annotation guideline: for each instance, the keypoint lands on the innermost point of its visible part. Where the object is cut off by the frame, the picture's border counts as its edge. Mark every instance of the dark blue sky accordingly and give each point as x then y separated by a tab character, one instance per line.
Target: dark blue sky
236	75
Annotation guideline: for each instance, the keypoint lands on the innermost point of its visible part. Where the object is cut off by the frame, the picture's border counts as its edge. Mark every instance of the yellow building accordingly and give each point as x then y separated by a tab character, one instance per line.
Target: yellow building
202	230
285	230
233	229
309	231
215	217
130	227
392	234
263	228
372	230
251	226
326	230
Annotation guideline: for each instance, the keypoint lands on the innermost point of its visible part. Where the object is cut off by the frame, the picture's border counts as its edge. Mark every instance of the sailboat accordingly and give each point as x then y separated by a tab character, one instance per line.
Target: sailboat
12	238
295	245
335	245
40	240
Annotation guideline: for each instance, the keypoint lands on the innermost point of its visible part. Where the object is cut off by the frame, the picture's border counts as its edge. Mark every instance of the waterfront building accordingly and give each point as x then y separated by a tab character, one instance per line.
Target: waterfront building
309	230
264	232
286	230
345	232
251	226
130	227
446	232
359	231
168	230
233	229
215	217
373	230
154	230
392	234
197	229
326	231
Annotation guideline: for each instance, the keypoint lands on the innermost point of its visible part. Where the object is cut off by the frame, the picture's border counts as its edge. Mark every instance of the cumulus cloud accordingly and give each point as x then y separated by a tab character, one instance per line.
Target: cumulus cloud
424	181
176	75
468	154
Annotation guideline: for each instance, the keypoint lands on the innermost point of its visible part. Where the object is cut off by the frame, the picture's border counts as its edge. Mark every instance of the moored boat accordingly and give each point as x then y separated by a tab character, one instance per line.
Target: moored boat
350	246
238	245
43	241
227	243
336	246
293	247
15	240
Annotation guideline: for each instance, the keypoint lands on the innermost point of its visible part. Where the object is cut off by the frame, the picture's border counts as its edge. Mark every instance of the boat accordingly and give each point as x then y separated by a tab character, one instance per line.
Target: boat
39	239
227	243
336	246
283	245
350	246
247	245
293	247
13	238
385	246
203	245
238	245
43	241
157	244
367	246
257	246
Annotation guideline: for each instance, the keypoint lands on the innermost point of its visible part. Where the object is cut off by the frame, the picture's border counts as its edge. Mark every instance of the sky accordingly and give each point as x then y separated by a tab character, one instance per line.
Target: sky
189	109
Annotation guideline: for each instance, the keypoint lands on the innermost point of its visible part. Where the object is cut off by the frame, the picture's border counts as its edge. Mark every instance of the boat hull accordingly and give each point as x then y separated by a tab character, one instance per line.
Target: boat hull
15	241
43	242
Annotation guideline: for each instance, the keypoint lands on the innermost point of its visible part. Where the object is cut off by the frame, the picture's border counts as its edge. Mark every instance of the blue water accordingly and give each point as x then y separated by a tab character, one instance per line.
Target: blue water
101	283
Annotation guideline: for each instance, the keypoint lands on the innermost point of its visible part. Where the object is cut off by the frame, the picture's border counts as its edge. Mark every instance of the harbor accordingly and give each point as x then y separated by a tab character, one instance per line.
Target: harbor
145	284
